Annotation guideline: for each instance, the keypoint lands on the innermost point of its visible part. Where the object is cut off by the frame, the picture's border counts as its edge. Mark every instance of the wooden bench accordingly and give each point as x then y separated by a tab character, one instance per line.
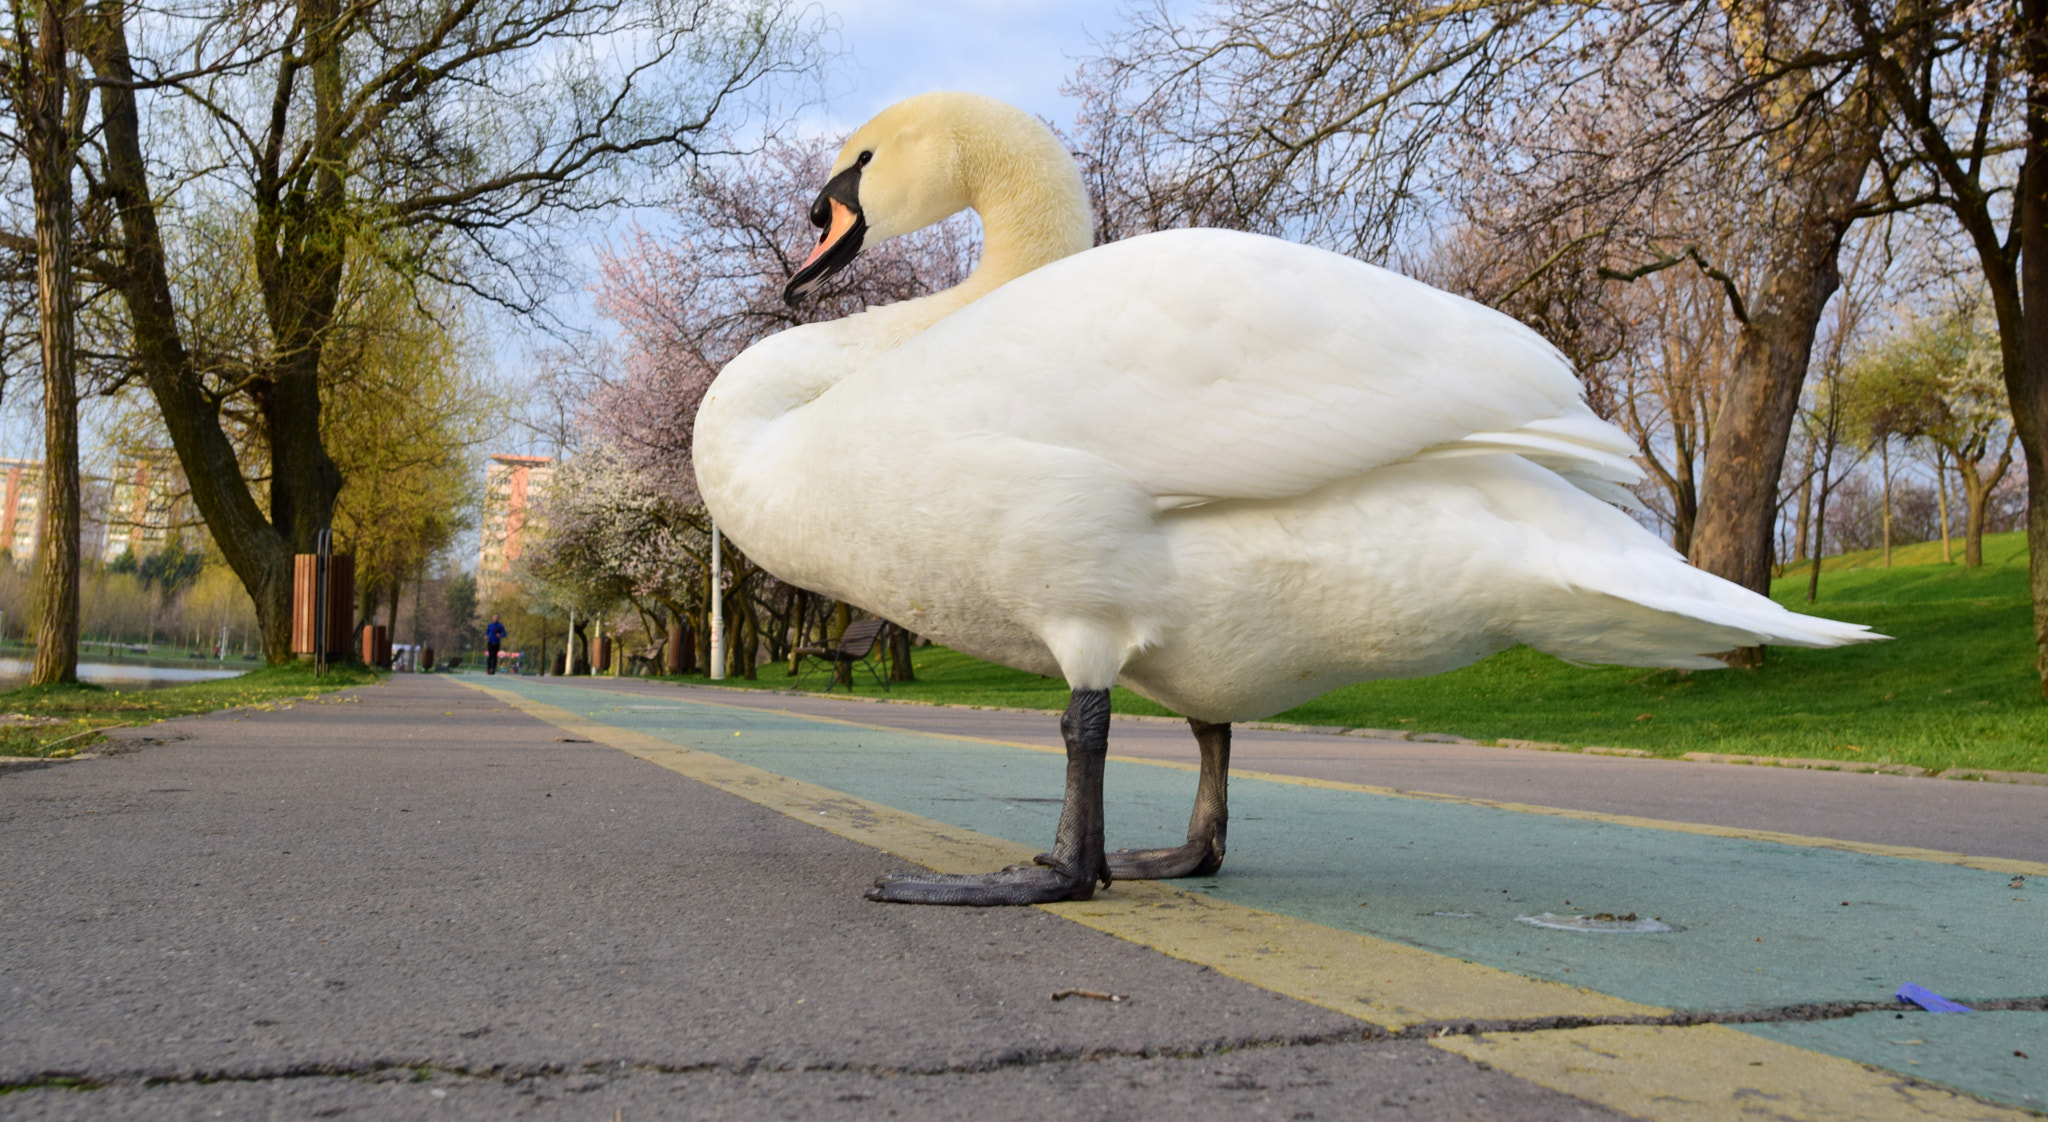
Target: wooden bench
860	645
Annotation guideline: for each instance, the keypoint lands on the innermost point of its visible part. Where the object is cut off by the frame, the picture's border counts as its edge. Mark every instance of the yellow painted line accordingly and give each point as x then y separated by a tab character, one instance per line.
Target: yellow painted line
2010	866
1699	1072
1385	983
1710	1072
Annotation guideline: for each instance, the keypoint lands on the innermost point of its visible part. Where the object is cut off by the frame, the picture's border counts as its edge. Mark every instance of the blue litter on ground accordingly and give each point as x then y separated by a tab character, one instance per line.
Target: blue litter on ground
1929	1000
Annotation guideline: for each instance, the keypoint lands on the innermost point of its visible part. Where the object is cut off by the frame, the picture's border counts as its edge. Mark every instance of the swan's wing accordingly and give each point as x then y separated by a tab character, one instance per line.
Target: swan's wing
1214	365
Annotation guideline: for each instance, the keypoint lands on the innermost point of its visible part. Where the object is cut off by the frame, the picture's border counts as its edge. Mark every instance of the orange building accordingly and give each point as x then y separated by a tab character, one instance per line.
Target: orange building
510	482
144	505
21	508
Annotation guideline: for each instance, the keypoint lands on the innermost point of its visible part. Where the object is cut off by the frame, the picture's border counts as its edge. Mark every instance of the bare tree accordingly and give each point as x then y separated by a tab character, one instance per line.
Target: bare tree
1938	381
1319	121
1700	151
692	301
689	299
1646	130
48	102
1965	92
447	141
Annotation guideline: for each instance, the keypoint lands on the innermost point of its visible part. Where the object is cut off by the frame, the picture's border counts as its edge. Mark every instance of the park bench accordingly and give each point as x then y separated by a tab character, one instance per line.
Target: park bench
859	645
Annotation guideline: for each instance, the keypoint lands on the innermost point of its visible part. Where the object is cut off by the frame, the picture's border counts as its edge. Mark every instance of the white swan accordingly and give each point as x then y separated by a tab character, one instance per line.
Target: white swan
1230	472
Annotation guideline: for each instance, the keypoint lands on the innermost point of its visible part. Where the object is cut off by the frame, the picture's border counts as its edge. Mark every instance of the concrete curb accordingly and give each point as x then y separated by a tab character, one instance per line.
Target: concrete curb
1810	764
7	760
2027	778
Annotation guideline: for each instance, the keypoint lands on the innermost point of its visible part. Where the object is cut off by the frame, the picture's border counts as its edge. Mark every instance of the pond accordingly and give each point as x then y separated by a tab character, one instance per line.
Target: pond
124	676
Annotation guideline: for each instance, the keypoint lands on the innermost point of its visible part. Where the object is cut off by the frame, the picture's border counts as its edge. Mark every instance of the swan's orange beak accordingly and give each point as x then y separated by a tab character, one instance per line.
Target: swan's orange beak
841	228
843	219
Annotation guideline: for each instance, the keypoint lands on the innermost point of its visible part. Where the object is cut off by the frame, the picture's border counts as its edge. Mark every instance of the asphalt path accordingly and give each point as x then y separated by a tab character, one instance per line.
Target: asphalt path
414	900
1347	858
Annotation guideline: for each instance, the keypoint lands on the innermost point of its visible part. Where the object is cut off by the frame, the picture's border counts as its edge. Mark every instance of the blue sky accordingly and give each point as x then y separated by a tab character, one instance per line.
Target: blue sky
1017	50
1021	51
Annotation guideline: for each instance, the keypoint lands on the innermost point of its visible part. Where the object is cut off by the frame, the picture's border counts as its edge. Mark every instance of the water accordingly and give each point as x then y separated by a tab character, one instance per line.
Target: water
125	676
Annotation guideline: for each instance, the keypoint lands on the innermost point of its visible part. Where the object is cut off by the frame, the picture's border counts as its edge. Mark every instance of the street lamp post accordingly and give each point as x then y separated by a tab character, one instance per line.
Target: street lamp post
717	607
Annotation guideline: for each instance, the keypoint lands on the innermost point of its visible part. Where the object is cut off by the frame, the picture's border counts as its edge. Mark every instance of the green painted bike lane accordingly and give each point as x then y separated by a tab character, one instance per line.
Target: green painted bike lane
1756	924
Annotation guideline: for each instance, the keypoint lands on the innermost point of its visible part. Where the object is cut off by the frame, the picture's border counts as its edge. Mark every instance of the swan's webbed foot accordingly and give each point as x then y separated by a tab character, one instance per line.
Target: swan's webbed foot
1076	863
1202	853
1191	859
1030	884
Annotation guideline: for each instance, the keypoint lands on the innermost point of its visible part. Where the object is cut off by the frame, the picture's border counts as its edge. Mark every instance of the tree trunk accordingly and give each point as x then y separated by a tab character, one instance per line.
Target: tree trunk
1746	454
260	557
1685	499
1818	166
368	600
1733	536
1977	488
1802	532
48	124
750	620
900	669
2026	381
1948	556
1884	460
1820	520
1977	500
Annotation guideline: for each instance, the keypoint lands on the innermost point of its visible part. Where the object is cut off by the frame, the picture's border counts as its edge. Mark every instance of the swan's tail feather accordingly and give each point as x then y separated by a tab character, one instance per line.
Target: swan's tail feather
1576	444
1589	453
1680	632
1626	598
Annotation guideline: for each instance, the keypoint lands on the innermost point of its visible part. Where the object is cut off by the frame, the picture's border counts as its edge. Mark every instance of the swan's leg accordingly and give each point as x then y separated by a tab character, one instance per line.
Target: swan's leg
1076	863
1203	852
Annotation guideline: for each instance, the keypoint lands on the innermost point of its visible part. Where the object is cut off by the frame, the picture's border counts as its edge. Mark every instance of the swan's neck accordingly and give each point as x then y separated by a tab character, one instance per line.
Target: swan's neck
1033	209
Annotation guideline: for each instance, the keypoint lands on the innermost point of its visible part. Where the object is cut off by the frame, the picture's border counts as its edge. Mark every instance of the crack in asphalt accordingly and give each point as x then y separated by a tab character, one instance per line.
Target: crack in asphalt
512	1073
423	1071
1812	1011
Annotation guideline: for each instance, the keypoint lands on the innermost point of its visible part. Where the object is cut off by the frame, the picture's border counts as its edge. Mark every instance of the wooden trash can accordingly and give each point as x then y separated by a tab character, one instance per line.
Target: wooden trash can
376	648
341	603
677	656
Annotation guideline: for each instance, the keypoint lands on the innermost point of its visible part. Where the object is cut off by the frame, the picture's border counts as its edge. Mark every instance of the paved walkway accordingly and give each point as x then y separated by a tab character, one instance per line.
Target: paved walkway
630	900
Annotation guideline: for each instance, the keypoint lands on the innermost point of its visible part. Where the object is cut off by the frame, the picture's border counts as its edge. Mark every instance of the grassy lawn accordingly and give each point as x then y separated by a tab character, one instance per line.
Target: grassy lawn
1954	688
58	721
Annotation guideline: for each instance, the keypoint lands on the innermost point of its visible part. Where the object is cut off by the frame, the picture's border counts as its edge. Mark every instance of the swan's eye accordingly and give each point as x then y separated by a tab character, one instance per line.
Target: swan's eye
863	160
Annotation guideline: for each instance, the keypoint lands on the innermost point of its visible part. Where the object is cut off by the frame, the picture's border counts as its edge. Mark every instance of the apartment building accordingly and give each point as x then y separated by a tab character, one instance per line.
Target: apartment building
510	485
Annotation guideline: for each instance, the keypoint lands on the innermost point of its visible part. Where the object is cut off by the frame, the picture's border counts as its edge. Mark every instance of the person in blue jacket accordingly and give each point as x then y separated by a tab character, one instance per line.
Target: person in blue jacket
494	637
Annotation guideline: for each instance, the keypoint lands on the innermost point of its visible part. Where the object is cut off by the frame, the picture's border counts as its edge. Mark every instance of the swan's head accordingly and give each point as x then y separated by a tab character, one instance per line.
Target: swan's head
923	160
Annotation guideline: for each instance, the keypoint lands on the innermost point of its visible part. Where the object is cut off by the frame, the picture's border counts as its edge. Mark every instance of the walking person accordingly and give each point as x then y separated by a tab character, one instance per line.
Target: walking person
494	637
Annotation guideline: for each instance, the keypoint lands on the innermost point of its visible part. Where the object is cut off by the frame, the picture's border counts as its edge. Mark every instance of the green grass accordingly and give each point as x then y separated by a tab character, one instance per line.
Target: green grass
69	717
1955	687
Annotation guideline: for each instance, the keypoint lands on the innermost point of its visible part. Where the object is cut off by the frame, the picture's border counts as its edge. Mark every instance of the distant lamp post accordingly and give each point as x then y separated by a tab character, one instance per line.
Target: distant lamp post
323	564
717	667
